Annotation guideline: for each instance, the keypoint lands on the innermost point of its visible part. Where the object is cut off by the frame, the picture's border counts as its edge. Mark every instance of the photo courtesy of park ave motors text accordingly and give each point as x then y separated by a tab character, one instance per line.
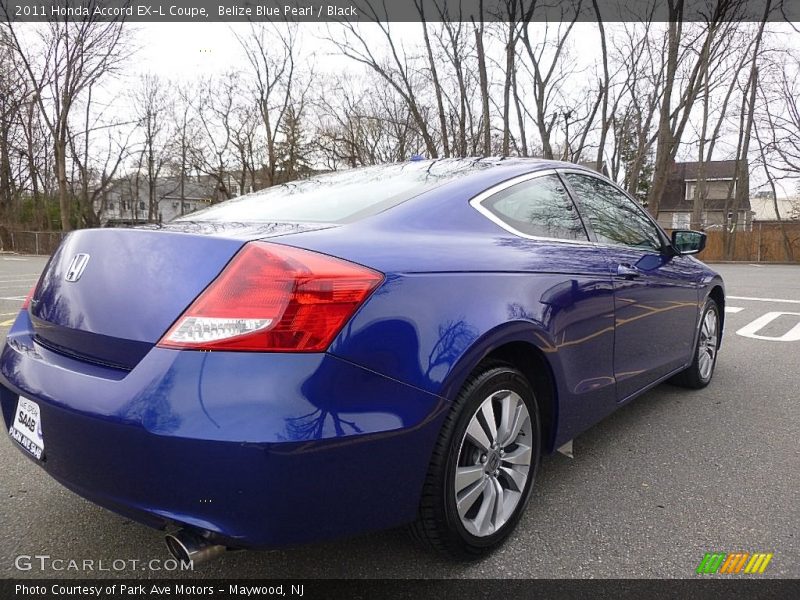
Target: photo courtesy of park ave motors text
428	290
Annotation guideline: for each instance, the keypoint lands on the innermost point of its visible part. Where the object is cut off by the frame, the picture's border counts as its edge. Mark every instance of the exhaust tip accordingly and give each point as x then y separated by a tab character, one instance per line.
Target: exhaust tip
187	546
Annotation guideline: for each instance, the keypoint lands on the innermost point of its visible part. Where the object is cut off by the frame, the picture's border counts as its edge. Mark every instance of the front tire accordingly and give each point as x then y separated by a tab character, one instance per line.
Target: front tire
483	466
698	375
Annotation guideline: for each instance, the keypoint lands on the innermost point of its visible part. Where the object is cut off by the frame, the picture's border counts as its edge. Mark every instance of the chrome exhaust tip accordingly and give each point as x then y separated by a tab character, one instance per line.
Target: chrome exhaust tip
188	546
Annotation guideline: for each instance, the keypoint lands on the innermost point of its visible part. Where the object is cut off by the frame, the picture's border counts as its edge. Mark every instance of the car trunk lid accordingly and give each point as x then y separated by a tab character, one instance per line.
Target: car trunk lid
108	295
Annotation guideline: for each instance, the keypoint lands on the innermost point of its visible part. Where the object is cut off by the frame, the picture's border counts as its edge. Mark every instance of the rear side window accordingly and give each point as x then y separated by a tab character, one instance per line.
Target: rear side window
538	207
341	197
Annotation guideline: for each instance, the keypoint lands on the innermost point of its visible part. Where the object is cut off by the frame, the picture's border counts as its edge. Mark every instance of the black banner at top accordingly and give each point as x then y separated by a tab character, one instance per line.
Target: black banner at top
397	10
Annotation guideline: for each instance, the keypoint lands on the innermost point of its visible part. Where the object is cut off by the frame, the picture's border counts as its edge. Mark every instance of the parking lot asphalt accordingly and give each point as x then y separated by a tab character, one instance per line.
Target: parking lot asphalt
667	478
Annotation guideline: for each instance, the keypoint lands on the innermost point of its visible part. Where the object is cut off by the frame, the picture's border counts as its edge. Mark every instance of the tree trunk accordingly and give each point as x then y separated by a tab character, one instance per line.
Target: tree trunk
699	200
665	141
604	111
60	148
484	82
520	117
510	55
436	87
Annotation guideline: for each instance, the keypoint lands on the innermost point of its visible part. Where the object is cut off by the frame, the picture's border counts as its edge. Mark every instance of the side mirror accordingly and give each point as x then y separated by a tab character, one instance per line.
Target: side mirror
686	241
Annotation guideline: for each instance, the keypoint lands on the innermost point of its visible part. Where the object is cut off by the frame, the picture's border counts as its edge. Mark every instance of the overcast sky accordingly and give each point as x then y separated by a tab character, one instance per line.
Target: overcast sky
192	51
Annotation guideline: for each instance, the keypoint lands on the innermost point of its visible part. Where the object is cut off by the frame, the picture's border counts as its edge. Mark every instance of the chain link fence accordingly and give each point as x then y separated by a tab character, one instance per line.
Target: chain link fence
31	242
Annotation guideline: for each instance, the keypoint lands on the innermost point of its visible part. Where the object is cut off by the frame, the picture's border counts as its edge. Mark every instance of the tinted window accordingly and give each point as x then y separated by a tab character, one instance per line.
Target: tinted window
615	218
538	207
339	197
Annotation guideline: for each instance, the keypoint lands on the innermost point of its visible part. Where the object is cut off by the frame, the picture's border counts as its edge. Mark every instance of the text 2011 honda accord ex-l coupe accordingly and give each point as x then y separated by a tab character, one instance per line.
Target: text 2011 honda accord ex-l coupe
360	350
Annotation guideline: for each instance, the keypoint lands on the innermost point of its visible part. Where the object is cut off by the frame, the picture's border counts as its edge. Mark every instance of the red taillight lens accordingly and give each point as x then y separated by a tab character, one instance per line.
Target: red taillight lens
27	302
274	298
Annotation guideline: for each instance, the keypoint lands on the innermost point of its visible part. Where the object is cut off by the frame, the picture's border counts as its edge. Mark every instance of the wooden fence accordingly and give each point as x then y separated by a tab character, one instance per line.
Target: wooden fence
763	244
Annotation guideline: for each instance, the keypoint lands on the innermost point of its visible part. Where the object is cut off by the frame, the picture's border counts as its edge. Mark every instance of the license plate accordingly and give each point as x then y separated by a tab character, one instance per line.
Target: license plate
27	427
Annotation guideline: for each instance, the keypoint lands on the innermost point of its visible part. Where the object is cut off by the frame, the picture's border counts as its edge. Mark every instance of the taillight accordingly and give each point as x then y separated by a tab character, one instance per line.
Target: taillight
27	302
274	298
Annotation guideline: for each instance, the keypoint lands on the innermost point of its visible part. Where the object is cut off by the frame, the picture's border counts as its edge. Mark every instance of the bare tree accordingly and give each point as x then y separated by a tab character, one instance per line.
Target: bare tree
742	175
96	162
681	52
13	95
437	87
270	51
184	143
765	158
455	43
484	81
68	58
604	88
546	67
714	76
395	70
152	111
214	109
638	56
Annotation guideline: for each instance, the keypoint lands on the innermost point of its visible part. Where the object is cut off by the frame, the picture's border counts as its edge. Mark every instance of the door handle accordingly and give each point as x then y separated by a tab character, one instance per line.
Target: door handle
627	271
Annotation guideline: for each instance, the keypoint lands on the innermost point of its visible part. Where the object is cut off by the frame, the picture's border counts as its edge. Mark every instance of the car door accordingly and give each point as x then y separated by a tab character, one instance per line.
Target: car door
571	292
655	292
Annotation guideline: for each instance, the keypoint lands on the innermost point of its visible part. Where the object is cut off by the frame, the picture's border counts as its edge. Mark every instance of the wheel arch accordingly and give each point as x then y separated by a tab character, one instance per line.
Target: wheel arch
717	294
522	346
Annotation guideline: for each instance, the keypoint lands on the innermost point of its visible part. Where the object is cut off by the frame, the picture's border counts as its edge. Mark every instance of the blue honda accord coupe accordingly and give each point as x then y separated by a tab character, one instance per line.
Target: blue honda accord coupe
360	350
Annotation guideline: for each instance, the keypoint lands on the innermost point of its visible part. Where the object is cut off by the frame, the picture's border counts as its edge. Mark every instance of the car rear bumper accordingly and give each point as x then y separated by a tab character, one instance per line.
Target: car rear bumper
261	450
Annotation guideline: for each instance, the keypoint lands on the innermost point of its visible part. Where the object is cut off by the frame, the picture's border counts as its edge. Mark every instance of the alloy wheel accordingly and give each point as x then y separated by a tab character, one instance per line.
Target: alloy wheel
494	463
707	346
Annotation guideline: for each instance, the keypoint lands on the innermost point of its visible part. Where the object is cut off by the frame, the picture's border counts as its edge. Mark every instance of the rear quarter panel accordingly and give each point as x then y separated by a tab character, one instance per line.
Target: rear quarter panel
457	291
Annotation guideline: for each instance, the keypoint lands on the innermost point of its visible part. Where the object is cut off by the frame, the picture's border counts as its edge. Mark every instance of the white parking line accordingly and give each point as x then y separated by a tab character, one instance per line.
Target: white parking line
764	299
733	309
14	298
750	330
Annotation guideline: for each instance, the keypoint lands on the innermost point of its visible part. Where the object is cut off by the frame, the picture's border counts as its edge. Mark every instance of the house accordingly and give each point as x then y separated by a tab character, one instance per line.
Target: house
675	210
126	202
764	208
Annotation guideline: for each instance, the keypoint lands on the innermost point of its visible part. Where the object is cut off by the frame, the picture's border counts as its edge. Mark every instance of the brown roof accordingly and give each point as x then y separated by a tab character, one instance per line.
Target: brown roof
674	198
715	169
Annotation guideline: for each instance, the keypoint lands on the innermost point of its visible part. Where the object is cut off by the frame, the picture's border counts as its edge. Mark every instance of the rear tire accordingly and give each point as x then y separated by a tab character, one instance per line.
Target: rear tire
698	375
483	465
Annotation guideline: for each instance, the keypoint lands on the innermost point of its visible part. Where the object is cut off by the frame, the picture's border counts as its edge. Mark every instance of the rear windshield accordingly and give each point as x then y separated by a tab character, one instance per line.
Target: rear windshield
340	197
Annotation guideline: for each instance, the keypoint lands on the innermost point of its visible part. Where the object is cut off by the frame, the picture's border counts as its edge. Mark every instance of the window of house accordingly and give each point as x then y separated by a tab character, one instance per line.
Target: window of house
714	190
681	220
141	205
110	206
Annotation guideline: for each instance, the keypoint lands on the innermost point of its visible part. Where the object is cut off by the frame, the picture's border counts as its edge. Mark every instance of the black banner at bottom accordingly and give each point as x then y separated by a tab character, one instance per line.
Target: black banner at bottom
312	589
